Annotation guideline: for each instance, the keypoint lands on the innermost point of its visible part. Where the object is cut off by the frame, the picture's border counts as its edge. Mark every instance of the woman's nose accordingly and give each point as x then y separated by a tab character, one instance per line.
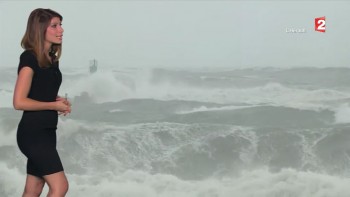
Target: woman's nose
61	29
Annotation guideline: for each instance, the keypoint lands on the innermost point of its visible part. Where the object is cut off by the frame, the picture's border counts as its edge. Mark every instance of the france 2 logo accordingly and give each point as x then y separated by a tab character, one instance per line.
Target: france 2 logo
320	24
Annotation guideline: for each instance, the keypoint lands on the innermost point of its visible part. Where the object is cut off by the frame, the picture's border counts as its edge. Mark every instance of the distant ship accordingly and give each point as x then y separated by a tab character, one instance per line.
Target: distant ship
93	66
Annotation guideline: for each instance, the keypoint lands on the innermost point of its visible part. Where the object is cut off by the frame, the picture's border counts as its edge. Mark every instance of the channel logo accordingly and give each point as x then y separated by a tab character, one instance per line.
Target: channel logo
320	24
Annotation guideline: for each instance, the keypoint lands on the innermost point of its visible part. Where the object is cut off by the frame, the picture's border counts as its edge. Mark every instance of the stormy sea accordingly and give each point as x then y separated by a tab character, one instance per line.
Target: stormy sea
194	132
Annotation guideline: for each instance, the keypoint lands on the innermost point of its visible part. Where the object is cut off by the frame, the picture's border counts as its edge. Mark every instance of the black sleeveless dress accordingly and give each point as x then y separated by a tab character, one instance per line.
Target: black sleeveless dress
36	133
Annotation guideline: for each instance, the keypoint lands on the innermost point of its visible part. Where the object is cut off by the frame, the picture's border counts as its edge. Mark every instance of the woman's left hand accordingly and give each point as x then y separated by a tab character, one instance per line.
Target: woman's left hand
65	101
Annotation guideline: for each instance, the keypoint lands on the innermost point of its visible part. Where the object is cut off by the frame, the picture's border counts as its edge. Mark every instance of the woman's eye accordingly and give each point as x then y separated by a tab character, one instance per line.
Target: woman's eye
55	25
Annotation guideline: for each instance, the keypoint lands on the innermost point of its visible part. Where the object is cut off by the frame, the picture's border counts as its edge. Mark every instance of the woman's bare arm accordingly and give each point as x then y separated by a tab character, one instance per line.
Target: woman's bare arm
20	97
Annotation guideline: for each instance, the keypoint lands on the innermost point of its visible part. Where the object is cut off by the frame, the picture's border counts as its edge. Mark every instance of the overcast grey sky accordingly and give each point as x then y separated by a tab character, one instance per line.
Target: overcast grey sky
188	33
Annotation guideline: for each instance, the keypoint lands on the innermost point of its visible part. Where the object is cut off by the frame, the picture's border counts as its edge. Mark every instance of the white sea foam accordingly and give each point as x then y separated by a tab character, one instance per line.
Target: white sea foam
102	87
205	108
259	182
115	110
262	183
8	137
7	84
193	160
11	181
342	114
196	151
107	86
120	84
121	147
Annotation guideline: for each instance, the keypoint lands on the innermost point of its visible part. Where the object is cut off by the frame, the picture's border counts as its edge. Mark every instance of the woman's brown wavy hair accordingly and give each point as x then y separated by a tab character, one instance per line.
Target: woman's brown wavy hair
34	37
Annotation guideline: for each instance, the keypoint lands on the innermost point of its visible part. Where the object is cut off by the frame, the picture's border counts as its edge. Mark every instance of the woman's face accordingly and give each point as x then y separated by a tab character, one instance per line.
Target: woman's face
54	32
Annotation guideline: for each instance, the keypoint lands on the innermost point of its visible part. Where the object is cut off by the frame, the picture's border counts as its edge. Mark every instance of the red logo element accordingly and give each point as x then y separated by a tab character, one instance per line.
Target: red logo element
320	24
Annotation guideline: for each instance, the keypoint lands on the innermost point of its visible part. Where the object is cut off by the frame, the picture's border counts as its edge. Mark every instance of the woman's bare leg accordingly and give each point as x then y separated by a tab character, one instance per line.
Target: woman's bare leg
58	184
34	186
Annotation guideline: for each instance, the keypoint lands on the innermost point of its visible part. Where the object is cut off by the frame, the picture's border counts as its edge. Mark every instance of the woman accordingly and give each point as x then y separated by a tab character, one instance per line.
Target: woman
36	93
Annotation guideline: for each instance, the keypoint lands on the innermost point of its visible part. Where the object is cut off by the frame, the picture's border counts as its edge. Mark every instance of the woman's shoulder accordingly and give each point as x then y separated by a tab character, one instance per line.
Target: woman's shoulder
28	58
28	54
